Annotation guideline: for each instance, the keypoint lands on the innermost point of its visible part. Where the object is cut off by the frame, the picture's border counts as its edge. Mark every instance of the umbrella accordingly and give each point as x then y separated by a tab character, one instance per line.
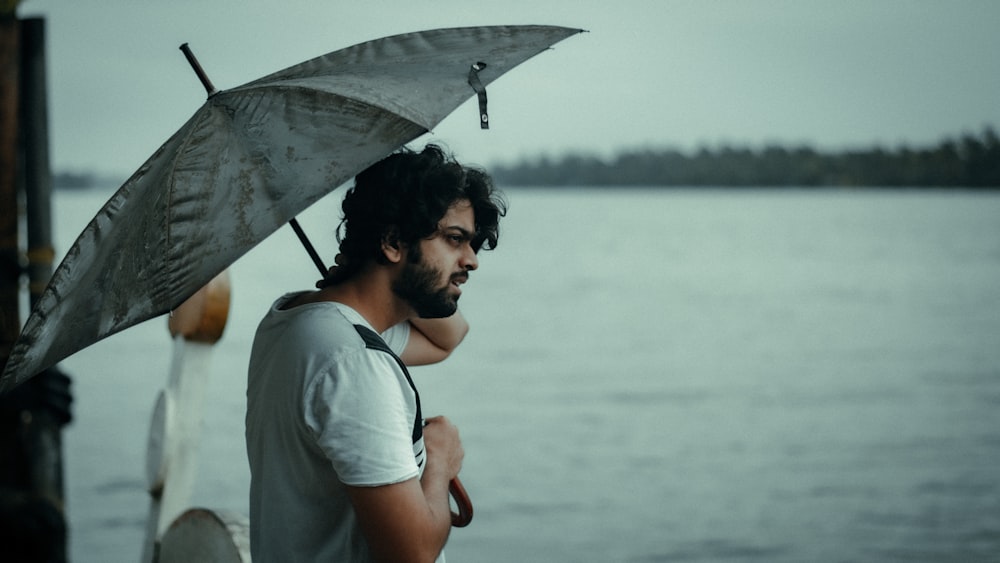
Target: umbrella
248	161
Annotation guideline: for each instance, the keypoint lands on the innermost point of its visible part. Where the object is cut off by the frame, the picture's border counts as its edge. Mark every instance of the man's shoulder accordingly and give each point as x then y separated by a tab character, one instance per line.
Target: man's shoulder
322	324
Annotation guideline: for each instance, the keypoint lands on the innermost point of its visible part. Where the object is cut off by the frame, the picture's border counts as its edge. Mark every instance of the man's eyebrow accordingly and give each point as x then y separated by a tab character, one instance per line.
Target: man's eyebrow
464	232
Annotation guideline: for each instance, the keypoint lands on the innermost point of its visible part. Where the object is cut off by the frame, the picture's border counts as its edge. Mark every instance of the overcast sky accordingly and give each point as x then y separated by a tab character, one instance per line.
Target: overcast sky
667	73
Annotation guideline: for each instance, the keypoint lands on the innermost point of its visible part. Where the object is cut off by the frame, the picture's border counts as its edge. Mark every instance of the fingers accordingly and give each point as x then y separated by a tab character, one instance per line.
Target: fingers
326	279
338	261
444	444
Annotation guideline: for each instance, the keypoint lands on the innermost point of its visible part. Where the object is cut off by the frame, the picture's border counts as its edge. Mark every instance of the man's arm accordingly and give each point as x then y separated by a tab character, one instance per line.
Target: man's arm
433	340
410	521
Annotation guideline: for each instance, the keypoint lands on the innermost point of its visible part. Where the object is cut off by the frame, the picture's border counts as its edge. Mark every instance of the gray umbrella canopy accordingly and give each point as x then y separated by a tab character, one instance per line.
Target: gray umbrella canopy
249	160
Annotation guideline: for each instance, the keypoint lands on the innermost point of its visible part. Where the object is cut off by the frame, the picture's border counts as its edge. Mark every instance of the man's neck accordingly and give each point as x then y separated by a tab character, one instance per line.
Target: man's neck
370	294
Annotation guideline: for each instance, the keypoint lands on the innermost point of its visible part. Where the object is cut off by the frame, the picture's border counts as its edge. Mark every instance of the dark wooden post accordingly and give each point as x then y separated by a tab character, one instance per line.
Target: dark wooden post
32	518
37	169
10	267
52	409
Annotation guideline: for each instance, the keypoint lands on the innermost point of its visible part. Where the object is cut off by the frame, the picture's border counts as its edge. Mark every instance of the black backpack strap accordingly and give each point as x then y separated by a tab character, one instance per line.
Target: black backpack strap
374	342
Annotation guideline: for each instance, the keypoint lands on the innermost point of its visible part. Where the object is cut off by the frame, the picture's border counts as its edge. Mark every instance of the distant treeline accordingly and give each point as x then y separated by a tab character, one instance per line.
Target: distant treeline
73	180
969	162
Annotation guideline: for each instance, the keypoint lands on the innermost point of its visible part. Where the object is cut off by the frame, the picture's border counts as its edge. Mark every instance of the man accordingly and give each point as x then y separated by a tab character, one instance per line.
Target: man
342	466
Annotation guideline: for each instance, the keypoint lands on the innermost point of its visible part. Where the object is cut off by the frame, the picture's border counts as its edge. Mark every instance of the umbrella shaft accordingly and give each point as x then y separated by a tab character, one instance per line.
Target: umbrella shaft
309	247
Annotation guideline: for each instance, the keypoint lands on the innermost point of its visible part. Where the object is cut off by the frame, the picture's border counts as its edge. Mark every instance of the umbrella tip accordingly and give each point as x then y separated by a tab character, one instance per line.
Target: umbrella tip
193	61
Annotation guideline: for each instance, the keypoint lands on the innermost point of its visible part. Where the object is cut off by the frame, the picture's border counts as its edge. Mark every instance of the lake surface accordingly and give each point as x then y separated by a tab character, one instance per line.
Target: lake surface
652	375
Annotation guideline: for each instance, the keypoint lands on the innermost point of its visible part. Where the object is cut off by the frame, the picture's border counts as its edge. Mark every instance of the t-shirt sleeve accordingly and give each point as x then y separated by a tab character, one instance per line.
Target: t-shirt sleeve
363	420
397	336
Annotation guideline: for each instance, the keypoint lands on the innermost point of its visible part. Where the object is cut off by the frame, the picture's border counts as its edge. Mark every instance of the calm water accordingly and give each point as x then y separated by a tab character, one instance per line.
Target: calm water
680	375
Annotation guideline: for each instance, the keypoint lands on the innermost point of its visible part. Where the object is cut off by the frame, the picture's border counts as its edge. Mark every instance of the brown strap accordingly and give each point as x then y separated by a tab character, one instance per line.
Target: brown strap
477	85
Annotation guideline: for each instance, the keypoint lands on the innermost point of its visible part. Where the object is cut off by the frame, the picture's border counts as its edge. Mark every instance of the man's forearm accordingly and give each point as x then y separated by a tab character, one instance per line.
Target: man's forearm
446	333
404	522
436	493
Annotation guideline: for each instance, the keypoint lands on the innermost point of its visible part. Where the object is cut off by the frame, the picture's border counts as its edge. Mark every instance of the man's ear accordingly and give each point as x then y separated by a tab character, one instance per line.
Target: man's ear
392	249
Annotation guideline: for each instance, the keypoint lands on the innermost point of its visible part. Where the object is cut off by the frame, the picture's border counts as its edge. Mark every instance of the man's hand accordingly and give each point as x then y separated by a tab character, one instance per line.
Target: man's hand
410	521
444	449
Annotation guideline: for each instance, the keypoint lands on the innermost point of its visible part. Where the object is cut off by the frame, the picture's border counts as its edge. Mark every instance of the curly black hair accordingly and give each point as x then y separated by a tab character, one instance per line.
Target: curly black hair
403	197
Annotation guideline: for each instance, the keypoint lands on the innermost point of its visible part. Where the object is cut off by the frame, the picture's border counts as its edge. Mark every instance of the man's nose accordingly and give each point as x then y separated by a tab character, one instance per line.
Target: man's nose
470	260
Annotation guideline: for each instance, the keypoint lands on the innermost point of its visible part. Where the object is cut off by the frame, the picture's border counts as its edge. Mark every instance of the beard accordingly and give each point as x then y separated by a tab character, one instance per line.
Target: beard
417	285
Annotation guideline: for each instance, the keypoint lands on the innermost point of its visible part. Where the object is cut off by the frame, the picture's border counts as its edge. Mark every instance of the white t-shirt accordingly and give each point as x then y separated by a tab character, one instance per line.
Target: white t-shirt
323	411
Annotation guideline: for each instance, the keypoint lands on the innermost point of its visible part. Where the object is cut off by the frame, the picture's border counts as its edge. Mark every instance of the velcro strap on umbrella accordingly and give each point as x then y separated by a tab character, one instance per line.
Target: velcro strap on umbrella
477	85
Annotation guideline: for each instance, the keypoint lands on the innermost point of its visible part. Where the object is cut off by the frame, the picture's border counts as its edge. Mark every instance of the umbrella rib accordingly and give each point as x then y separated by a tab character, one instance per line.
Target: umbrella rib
170	187
395	111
